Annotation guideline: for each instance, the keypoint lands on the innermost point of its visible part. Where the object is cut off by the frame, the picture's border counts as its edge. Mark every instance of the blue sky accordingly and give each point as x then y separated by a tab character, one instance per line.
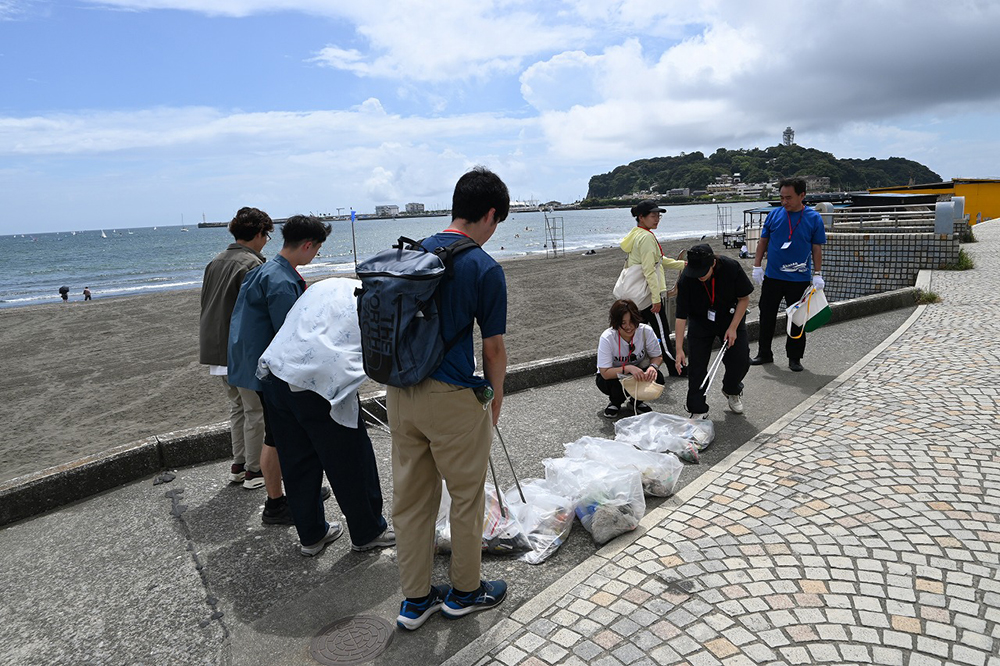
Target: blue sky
126	113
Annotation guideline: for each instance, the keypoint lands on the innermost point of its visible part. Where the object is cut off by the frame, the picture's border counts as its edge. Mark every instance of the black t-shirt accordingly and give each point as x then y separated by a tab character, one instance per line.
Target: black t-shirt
729	283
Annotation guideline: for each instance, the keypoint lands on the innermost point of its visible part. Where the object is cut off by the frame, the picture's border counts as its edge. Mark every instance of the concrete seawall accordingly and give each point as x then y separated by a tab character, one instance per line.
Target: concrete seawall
32	494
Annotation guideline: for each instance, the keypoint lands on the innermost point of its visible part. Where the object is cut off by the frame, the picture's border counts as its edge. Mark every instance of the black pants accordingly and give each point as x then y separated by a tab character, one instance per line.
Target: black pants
613	388
771	293
736	362
309	443
661	326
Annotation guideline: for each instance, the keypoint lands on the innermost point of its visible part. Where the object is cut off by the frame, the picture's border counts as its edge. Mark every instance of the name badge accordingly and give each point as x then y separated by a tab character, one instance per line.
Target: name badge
711	315
787	245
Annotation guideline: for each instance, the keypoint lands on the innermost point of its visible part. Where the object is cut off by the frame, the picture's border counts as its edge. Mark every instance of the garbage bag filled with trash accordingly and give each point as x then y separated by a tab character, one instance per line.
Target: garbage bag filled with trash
502	533
607	500
545	516
654	431
660	471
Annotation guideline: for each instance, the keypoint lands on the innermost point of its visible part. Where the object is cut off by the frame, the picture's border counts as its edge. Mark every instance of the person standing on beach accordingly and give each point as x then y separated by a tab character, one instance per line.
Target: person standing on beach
644	250
86	293
441	428
794	259
265	297
251	228
712	298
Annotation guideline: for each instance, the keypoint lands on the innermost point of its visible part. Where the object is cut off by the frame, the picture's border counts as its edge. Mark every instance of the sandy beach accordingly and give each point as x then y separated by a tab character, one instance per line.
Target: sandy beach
86	376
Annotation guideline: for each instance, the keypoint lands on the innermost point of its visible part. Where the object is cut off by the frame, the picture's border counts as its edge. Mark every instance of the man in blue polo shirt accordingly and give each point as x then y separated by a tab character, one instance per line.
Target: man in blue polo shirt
443	426
267	294
793	237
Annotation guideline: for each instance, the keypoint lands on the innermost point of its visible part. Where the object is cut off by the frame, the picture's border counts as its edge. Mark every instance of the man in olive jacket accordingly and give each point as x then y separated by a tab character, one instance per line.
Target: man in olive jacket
251	229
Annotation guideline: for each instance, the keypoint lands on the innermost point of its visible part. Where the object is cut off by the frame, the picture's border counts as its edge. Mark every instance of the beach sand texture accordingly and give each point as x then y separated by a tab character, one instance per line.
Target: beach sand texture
83	377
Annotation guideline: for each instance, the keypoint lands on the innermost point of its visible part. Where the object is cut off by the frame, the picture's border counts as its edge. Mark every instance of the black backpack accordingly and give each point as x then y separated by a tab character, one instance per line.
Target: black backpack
399	305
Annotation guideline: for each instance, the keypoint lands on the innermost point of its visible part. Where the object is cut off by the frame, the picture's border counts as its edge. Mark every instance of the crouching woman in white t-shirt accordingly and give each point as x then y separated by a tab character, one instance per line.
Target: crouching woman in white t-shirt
628	347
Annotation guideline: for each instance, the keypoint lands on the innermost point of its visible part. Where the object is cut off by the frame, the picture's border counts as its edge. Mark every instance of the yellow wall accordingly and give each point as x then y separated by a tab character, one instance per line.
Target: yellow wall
980	198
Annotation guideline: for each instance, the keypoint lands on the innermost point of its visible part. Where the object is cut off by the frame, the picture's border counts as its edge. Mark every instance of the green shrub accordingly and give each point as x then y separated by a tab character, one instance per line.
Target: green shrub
927	297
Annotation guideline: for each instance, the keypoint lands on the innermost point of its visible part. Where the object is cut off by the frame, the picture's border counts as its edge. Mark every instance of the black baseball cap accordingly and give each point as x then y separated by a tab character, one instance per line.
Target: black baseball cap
646	207
700	259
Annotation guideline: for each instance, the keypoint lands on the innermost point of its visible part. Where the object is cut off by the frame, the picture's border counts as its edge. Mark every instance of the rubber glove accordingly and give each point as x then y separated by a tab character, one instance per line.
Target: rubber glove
818	281
758	275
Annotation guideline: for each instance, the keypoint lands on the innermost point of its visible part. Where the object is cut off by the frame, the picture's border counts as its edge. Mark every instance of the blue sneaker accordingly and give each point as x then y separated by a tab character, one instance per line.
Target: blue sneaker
412	615
490	593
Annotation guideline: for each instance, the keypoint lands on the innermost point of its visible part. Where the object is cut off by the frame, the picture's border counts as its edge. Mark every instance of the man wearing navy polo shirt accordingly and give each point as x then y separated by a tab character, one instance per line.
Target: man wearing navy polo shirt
793	237
443	426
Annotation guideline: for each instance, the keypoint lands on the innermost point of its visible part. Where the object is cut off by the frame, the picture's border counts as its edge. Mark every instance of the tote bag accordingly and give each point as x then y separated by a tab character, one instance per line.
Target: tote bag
809	313
632	285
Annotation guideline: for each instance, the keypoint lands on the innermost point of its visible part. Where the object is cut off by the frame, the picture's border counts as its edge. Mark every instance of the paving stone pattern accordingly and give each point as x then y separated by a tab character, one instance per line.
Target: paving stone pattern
865	531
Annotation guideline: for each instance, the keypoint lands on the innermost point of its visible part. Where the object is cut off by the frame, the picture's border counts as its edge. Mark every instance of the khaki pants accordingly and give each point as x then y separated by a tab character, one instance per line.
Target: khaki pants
246	425
438	431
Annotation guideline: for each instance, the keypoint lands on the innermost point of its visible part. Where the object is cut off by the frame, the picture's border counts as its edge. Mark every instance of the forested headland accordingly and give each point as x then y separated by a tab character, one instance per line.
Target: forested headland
695	172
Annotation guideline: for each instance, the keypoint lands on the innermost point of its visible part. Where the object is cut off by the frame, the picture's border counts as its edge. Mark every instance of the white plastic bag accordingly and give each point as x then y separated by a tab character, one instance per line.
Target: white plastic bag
660	471
501	535
654	431
607	500
546	518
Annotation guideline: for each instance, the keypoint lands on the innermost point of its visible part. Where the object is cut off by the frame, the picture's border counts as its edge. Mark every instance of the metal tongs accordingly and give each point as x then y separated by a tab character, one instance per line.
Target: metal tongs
713	369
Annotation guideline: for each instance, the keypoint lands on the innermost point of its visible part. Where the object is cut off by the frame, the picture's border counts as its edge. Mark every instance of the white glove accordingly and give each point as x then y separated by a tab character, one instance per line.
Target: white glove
818	281
758	275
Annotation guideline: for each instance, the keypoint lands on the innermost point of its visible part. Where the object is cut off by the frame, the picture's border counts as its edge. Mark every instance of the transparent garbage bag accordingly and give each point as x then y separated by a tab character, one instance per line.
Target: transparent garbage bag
546	518
607	500
660	471
654	431
501	534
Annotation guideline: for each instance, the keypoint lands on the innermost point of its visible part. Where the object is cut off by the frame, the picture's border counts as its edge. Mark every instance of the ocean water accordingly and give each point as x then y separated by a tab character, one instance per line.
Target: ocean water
148	259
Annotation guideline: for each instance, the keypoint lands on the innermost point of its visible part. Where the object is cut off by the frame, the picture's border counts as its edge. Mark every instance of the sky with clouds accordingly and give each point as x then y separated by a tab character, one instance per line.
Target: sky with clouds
117	113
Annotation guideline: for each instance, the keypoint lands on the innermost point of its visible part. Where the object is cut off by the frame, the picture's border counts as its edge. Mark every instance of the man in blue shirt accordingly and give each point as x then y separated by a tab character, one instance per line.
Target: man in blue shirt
267	294
441	428
793	237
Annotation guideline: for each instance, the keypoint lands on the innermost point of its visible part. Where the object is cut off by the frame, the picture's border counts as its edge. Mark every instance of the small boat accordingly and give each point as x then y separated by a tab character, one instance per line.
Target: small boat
103	235
184	228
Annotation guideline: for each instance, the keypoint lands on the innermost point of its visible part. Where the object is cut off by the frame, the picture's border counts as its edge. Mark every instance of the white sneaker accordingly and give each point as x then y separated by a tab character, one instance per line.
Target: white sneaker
735	402
385	540
332	534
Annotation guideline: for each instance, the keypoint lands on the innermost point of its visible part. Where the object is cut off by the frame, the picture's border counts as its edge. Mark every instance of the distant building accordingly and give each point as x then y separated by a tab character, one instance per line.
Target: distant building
817	183
386	211
414	208
679	192
788	136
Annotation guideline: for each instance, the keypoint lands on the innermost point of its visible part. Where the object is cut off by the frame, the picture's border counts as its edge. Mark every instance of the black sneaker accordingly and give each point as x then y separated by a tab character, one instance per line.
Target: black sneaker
611	411
637	406
412	616
490	593
761	359
277	512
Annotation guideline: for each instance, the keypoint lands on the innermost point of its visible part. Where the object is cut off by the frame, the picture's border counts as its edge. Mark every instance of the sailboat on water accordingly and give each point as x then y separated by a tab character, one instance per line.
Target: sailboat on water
183	228
103	235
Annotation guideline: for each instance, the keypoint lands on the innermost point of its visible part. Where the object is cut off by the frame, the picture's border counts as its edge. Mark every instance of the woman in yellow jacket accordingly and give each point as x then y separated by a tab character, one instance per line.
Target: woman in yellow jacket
643	249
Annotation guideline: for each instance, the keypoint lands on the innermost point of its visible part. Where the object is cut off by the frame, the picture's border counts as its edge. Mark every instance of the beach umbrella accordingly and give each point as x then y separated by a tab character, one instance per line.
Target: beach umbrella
64	289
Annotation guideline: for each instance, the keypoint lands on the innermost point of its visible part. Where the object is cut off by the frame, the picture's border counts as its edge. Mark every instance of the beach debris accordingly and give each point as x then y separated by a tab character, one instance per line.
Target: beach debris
545	516
165	477
660	471
502	533
654	431
611	496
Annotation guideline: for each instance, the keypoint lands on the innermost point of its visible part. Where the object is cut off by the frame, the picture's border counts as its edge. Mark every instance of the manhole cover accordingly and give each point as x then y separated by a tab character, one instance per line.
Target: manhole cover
351	640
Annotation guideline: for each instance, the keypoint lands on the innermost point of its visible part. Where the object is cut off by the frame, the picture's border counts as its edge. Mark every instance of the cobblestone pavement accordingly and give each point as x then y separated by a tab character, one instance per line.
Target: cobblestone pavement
862	528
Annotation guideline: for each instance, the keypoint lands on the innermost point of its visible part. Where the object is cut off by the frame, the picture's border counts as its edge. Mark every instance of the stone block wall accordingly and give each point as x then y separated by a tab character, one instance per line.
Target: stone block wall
861	264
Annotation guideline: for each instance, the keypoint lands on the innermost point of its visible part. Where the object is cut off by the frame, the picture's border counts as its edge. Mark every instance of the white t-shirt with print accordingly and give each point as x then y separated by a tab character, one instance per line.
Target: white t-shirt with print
613	350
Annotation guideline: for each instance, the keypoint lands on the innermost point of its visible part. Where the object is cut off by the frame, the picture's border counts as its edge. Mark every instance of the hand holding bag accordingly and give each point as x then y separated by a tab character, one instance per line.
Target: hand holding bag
631	285
809	313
